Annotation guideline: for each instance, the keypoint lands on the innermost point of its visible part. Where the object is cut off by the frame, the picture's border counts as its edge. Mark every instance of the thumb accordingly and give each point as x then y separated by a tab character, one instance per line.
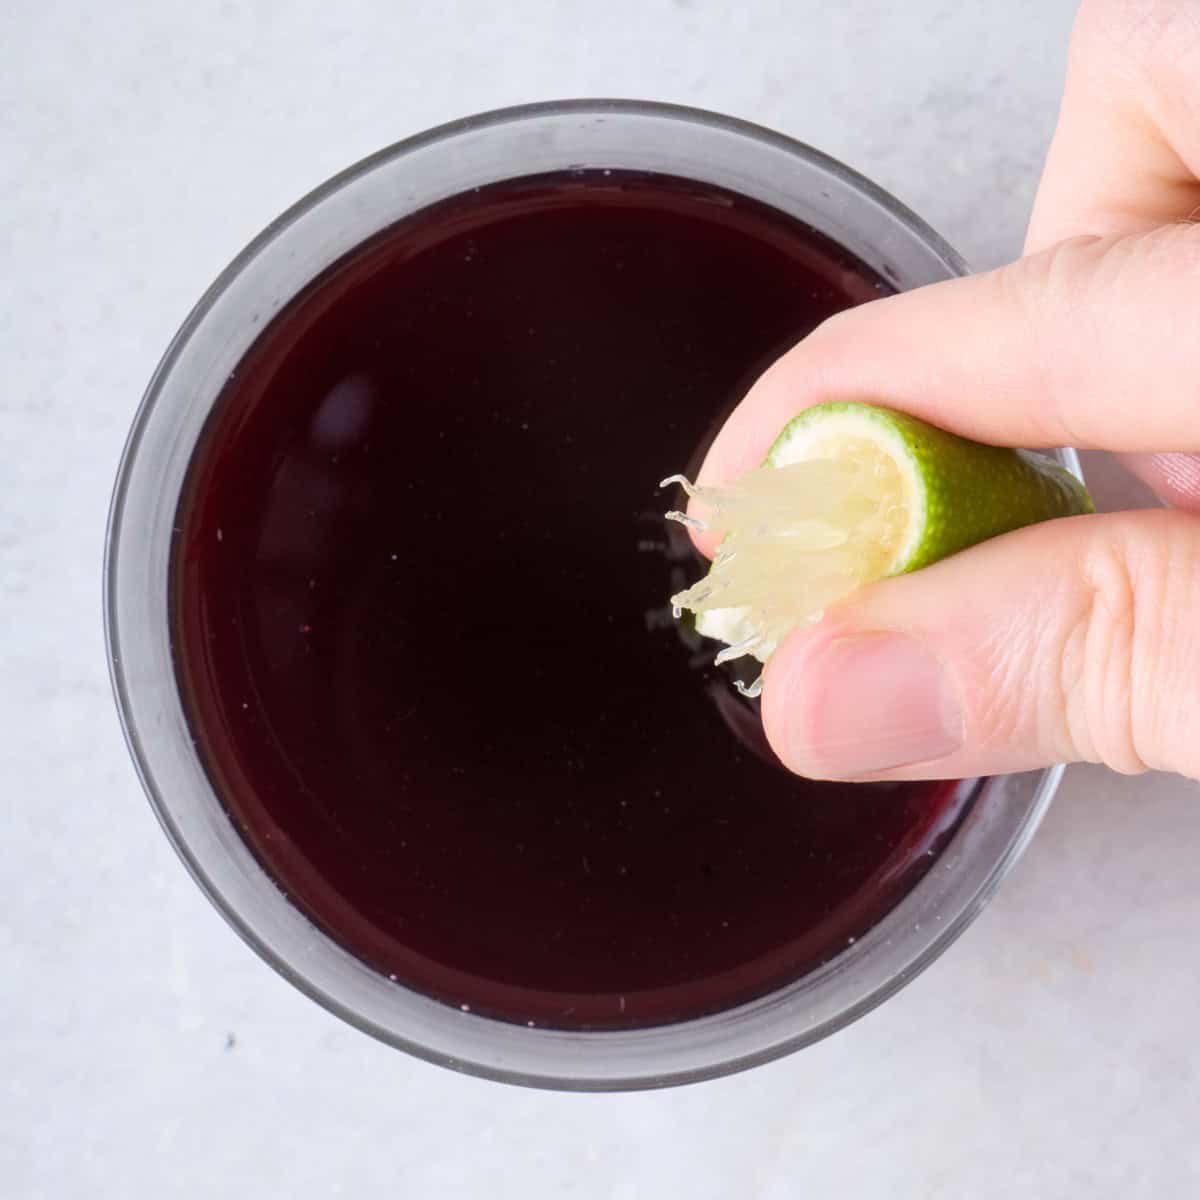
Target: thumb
1072	640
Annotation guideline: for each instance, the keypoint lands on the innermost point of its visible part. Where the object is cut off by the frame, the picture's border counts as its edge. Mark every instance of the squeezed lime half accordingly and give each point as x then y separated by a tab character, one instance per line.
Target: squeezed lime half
850	493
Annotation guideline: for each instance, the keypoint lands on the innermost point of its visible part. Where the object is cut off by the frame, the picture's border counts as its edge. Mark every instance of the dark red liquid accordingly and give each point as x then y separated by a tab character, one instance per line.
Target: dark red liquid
420	597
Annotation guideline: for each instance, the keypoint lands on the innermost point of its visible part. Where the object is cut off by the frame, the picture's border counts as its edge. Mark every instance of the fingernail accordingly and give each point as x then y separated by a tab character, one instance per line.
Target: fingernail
868	703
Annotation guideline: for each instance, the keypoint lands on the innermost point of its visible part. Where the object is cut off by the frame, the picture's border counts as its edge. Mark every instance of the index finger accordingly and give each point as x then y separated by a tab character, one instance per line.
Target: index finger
1093	344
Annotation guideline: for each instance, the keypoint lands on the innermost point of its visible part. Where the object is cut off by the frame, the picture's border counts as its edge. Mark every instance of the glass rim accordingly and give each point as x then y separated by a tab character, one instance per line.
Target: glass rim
137	739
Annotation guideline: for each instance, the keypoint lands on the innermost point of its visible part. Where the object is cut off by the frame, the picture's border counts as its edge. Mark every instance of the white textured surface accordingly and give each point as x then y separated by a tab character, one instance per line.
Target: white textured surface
143	1050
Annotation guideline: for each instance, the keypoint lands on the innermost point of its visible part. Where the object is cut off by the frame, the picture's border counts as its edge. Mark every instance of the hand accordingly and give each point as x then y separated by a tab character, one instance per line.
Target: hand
1077	639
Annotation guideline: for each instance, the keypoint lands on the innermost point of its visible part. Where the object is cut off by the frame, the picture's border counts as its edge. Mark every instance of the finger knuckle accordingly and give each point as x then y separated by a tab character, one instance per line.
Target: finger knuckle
1067	300
1130	655
1047	293
1165	564
1097	662
1161	259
